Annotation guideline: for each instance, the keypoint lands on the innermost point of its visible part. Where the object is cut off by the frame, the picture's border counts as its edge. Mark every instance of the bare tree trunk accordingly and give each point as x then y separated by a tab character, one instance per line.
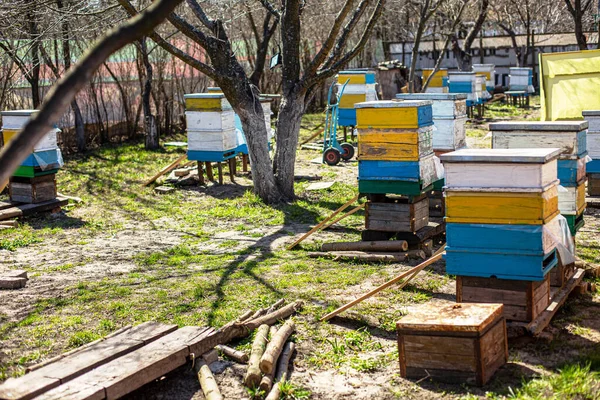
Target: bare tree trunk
414	56
34	79
149	119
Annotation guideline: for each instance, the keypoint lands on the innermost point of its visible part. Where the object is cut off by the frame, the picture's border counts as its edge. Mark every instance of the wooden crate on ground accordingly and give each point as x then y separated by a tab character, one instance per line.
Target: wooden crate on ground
397	216
457	343
33	190
523	300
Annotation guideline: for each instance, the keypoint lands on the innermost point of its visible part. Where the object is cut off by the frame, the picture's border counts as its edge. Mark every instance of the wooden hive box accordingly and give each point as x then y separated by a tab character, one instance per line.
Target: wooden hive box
517	170
16	119
593	119
397	216
48	142
449	134
523	300
34	190
593	144
393	114
438	79
571	200
212	140
521	79
45	160
575	222
356	77
210	120
421	171
570	136
571	172
32	172
206	102
593	184
529	208
445	105
394	144
455	343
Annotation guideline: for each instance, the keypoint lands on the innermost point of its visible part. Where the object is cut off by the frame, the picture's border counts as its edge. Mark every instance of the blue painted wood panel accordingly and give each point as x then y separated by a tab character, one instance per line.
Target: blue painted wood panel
425	116
593	167
347	117
389	170
567	172
503	265
49	159
460	87
211	156
482	237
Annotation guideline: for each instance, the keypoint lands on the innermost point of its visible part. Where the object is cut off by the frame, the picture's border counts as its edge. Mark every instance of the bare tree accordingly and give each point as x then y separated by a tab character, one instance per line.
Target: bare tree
463	54
577	9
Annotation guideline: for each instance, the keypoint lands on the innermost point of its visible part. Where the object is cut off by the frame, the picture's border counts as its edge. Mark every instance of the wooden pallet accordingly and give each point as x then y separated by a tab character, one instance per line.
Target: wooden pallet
10	210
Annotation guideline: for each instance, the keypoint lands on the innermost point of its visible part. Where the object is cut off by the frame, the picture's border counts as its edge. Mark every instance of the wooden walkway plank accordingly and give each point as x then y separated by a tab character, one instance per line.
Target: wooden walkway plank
80	362
21	210
135	369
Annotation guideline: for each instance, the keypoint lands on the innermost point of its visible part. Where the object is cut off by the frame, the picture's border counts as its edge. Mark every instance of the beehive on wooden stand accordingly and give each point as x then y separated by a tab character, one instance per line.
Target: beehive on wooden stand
34	181
464	82
571	138
502	226
395	157
593	148
439	82
455	343
361	87
521	79
488	70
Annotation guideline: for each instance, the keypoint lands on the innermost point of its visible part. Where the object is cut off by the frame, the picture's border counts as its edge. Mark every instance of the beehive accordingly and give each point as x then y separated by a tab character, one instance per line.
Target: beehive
464	82
490	193
397	216
593	148
488	70
457	343
360	87
14	121
439	82
521	79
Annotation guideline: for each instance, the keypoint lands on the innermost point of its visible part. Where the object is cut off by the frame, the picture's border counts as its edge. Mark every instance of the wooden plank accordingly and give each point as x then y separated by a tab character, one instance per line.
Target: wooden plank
507	297
439	344
135	369
452	362
165	170
80	362
20	210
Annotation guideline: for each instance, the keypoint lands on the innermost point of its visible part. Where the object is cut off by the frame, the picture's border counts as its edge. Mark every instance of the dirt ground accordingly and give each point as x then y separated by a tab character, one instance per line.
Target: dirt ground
111	254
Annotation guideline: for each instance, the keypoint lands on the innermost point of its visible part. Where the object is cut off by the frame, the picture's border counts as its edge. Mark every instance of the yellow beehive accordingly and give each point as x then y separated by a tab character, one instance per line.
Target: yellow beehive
206	102
8	134
394	144
437	80
356	77
526	208
389	114
349	100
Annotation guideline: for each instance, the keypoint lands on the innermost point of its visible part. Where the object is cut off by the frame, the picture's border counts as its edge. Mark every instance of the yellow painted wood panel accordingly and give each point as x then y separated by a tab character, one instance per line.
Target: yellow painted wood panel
502	208
8	134
440	73
354	79
372	137
388	152
203	104
387	118
581	198
349	100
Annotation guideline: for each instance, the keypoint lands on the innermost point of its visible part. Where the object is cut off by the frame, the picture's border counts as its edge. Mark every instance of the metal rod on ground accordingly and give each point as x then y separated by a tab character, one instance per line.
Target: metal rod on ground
165	170
412	272
316	228
349	213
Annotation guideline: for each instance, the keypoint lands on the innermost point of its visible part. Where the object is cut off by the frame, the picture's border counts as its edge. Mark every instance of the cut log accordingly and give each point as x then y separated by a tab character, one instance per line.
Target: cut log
282	371
245	315
208	383
379	245
10	283
275	347
210	357
181	172
77	363
361	256
276	305
12	223
420	254
235	355
253	375
266	383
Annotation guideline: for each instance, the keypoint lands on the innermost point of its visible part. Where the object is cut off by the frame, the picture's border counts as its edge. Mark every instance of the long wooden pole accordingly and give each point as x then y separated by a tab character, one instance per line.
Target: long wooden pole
349	213
411	272
165	170
316	228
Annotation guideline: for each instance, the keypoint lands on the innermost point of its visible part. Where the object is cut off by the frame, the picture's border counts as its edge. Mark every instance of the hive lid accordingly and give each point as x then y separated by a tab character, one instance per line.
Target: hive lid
460	73
18	113
393	104
484	66
591	113
204	96
554	126
431	96
463	317
214	89
356	72
529	156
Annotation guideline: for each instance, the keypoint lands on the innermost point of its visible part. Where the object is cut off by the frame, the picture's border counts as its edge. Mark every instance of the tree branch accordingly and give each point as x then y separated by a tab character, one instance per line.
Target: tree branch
62	94
267	4
201	15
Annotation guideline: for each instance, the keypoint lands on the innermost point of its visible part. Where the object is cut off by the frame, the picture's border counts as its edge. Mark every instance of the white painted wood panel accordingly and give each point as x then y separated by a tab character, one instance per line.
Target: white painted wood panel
14	121
567	200
433	89
427	170
593	144
48	142
501	176
449	134
358	88
594	123
567	141
212	140
209	120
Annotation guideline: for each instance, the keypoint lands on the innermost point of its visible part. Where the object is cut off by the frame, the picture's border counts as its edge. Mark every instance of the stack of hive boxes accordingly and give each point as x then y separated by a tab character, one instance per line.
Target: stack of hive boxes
521	79
481	88
570	136
395	157
35	180
593	148
360	88
210	127
242	144
487	70
464	82
439	82
502	225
